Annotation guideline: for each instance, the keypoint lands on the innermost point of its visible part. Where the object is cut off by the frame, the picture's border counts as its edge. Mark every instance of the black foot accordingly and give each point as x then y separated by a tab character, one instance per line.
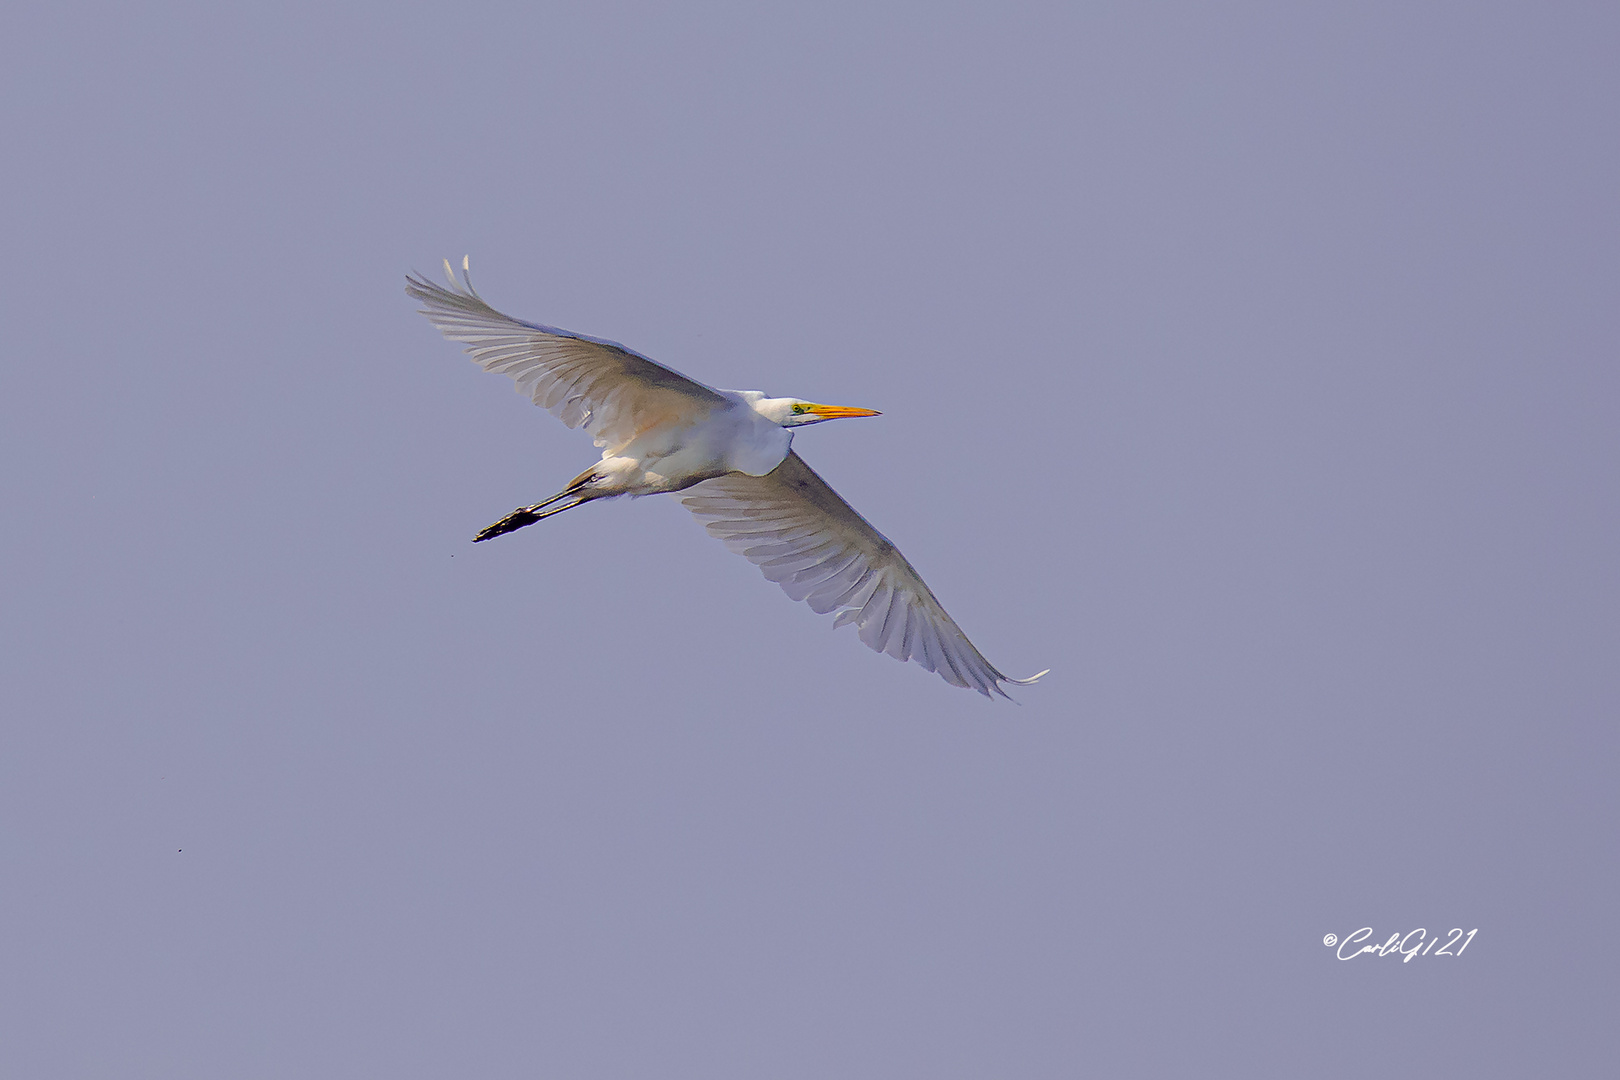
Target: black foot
513	521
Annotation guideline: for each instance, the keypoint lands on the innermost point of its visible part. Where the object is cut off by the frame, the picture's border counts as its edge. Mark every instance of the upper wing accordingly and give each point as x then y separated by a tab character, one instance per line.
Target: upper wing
812	543
615	393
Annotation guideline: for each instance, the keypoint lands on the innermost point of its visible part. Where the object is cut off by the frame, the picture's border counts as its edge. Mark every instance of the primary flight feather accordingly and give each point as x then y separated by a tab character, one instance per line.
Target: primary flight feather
731	451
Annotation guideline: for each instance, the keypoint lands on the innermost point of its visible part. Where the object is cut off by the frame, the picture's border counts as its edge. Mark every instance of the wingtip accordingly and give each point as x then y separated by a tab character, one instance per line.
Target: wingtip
418	285
466	277
1032	679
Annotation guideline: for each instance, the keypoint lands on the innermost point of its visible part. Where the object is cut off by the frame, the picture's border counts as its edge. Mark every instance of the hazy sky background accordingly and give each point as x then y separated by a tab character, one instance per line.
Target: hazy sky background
1252	366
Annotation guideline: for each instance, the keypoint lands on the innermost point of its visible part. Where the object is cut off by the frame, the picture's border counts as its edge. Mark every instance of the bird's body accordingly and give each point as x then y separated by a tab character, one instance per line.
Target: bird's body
661	432
733	435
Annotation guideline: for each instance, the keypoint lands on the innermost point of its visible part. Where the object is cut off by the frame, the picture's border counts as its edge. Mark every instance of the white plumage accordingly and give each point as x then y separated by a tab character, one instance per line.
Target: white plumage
731	452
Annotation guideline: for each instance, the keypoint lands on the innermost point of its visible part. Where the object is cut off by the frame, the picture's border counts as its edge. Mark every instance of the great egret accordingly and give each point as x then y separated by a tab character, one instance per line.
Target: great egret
732	450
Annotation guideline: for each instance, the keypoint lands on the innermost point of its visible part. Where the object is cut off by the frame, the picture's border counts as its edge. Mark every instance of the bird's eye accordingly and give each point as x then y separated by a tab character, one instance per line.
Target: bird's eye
798	408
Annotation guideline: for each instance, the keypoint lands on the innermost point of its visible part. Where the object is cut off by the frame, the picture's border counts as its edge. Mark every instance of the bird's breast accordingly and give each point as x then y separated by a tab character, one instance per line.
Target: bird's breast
755	445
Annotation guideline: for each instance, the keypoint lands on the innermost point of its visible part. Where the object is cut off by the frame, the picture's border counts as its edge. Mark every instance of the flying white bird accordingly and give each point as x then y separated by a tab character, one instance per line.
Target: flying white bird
732	450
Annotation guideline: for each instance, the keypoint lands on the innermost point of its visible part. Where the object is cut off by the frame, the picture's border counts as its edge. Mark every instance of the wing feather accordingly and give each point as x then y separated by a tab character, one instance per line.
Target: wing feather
614	392
812	543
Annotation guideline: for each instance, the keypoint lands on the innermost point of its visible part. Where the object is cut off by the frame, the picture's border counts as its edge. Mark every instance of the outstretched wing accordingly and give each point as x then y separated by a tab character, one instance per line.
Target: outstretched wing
614	393
811	542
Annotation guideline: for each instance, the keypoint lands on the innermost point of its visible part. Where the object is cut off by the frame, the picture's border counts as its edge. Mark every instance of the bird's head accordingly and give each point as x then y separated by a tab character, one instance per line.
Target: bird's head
796	412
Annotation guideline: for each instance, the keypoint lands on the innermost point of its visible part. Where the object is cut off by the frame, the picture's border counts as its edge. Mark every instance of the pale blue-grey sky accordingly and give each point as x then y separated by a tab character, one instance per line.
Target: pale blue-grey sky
1252	366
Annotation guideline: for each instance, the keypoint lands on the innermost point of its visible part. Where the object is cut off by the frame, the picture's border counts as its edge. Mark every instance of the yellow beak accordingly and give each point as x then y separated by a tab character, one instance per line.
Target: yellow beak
839	412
